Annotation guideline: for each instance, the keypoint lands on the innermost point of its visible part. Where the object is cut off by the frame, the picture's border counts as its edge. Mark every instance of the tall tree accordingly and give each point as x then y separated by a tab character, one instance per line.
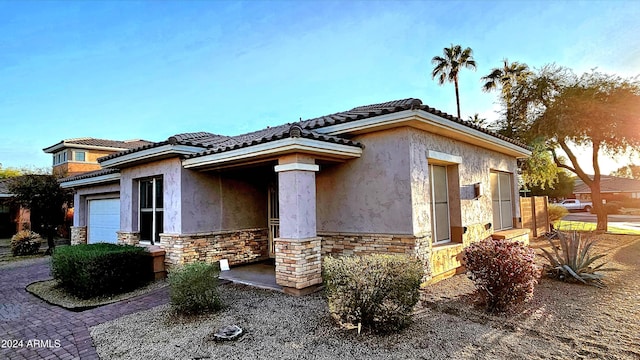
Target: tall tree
477	120
44	197
595	110
506	79
630	172
447	67
9	172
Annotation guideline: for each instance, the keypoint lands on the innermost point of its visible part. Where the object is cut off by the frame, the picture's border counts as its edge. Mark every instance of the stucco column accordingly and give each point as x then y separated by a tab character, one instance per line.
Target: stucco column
298	256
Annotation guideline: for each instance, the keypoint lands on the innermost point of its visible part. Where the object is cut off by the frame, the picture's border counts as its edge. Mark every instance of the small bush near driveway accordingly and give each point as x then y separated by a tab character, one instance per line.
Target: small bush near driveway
25	243
194	288
556	212
376	291
87	271
503	271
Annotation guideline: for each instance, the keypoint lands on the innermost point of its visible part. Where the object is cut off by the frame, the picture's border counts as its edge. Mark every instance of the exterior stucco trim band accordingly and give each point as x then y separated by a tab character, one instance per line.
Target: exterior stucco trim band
296	166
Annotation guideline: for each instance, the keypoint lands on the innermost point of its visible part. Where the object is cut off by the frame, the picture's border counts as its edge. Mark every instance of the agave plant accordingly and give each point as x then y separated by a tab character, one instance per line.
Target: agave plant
574	260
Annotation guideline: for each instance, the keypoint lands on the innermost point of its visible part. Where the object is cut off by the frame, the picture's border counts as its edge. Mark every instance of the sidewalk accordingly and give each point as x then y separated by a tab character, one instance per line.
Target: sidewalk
33	329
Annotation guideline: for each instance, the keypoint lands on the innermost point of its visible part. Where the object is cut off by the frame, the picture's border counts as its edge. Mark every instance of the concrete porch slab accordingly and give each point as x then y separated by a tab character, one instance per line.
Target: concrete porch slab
260	275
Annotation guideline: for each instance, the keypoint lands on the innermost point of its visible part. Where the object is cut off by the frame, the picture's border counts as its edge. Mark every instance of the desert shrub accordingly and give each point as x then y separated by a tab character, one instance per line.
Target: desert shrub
25	242
573	260
503	271
194	288
376	291
556	212
100	269
612	207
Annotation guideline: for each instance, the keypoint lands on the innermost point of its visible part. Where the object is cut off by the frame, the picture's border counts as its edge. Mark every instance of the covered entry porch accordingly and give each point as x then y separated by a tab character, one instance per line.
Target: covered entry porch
294	160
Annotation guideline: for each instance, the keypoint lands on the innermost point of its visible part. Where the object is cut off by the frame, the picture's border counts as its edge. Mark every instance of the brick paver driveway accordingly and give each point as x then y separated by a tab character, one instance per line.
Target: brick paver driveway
32	329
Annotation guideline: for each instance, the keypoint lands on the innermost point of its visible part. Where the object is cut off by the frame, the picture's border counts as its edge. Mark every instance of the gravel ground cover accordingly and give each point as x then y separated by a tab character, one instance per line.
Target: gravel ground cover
563	321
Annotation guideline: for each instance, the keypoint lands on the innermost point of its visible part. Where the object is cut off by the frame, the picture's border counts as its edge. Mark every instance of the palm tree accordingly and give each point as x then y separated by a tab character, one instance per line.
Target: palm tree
506	78
477	120
447	66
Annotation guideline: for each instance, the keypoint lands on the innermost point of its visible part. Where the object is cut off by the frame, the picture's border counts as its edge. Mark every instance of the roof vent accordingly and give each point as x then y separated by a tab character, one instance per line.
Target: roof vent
295	131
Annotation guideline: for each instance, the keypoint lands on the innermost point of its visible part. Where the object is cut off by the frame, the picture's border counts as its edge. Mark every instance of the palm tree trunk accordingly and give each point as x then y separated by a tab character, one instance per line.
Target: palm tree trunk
455	82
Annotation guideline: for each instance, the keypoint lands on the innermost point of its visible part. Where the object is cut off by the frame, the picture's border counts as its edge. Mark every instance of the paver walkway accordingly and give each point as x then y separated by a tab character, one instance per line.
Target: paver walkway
48	331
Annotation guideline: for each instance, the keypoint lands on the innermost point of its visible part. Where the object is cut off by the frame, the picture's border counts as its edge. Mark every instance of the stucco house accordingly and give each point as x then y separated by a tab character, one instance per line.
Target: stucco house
80	155
396	177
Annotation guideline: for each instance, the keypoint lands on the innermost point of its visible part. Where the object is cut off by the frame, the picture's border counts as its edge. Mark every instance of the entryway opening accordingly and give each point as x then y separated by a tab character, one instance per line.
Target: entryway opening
273	220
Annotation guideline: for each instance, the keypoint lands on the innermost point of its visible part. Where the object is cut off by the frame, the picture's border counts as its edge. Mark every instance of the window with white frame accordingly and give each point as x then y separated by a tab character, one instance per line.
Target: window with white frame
79	156
502	199
151	209
440	204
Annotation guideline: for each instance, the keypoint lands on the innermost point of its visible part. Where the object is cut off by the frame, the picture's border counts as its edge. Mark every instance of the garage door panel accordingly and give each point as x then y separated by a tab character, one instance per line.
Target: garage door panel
104	220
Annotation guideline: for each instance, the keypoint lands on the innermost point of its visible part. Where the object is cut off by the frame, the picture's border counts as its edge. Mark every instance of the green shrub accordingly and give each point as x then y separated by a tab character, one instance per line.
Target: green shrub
376	291
556	212
25	243
101	269
194	288
574	260
504	272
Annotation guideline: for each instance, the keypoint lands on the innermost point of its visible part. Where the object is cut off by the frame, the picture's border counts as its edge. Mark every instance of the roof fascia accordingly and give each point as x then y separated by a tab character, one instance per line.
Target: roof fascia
150	154
90	181
273	148
62	145
424	120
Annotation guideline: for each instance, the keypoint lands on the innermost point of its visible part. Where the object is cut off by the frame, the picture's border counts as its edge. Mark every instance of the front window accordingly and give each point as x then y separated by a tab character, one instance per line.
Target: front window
440	204
80	156
501	198
151	210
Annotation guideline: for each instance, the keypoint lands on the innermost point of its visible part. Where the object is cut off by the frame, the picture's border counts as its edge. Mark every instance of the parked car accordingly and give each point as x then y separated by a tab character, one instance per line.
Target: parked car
577	205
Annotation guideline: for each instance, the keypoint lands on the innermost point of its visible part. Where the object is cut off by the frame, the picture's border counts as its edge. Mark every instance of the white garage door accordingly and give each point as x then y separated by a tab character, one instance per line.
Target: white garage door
104	220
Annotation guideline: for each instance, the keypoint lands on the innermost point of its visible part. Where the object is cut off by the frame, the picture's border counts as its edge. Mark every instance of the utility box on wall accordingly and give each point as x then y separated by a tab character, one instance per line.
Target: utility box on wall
477	190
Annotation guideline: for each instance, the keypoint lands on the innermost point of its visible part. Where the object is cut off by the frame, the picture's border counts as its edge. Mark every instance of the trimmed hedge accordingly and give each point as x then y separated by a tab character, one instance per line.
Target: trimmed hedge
194	288
92	270
377	291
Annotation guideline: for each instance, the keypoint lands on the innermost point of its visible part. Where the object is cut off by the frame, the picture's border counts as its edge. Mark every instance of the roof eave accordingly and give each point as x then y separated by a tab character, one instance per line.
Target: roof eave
102	179
147	155
65	145
273	149
427	121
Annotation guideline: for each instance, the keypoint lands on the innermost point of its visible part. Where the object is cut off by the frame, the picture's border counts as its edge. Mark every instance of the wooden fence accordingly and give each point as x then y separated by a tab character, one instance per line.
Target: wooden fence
535	215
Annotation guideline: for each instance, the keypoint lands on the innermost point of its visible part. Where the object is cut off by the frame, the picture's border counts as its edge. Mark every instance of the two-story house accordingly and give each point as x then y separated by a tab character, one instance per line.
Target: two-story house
76	156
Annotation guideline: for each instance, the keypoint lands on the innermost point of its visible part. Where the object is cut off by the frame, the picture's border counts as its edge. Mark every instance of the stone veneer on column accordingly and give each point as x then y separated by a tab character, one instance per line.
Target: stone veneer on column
128	238
78	235
298	249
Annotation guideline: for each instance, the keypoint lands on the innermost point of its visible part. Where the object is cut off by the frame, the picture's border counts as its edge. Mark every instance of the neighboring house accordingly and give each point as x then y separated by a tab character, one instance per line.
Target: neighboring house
396	177
13	218
76	156
612	188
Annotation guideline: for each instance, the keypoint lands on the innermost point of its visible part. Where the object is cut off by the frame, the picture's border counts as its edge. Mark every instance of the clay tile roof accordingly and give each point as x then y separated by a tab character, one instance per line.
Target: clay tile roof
213	143
90	174
4	186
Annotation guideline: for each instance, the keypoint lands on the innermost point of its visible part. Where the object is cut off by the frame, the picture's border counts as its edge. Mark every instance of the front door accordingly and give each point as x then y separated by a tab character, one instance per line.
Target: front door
273	221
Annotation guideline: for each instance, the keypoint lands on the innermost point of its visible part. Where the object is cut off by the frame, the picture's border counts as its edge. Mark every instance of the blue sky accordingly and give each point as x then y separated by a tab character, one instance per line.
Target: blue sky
122	70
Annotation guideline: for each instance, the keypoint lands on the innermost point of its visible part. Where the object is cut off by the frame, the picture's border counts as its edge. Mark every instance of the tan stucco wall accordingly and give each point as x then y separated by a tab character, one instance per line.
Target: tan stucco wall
475	167
196	202
371	194
387	190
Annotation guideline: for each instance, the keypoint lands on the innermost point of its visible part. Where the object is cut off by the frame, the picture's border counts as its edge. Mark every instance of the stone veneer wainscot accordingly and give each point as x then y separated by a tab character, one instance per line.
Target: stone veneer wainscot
78	235
239	247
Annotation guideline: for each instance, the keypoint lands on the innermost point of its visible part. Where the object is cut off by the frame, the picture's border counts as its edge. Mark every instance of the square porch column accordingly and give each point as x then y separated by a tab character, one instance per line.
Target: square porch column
298	255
